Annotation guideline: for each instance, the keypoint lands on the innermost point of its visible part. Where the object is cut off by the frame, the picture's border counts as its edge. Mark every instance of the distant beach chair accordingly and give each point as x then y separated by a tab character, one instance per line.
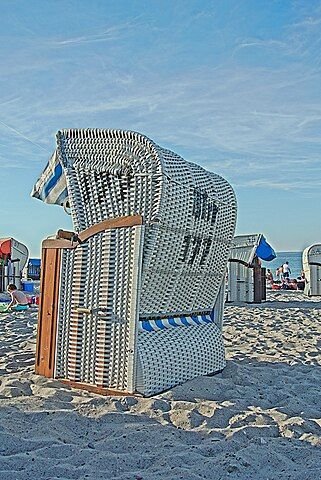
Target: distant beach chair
33	269
13	258
132	300
246	277
311	261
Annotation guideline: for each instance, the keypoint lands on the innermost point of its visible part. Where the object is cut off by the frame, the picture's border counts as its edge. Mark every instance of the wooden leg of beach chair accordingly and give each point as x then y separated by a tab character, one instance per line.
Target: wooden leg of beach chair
47	320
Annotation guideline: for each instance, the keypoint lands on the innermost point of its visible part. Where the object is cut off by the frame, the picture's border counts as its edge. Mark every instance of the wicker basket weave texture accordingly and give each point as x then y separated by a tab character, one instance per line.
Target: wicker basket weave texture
178	358
97	348
189	213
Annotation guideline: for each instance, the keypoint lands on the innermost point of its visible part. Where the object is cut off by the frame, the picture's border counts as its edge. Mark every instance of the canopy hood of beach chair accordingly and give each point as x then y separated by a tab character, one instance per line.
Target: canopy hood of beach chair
51	187
246	247
264	250
5	246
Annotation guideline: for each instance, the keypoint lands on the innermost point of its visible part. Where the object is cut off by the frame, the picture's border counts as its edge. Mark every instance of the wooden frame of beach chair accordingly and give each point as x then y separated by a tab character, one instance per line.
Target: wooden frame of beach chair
137	308
53	299
311	262
246	277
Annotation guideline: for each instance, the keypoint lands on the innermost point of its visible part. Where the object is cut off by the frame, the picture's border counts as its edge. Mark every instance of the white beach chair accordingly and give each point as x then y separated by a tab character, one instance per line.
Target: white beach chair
311	261
246	277
133	301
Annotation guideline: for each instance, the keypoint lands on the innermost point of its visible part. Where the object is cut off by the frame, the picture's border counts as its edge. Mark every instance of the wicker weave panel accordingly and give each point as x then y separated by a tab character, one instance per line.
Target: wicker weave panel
240	283
172	356
189	213
101	275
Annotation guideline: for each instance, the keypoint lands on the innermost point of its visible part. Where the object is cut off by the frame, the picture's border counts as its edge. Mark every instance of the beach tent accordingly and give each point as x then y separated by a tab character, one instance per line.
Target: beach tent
13	258
311	261
246	277
132	300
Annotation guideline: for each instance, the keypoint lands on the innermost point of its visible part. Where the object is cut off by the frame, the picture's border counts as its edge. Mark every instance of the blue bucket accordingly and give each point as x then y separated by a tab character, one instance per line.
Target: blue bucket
28	287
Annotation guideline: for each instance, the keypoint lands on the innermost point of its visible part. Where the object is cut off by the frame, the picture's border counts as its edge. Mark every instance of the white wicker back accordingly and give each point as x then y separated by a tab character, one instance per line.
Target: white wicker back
239	274
189	213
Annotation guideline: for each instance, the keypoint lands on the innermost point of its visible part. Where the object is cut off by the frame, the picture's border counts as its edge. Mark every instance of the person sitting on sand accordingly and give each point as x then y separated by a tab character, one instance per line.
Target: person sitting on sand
19	300
294	284
285	284
301	283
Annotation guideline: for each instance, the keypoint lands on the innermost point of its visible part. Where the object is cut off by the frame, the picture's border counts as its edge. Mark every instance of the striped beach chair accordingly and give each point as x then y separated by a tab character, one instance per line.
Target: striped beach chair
132	299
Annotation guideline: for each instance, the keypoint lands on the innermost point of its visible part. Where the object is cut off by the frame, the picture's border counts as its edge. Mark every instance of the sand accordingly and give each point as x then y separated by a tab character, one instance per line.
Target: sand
258	419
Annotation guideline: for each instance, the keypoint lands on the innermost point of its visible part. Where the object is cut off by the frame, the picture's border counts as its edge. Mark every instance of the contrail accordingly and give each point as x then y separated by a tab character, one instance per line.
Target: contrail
23	136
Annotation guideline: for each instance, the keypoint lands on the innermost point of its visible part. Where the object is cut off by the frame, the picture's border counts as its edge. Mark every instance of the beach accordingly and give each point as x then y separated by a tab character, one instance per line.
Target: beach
260	418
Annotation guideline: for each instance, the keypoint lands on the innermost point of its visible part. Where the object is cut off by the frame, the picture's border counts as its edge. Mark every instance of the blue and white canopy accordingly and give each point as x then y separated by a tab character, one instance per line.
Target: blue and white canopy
265	251
51	187
246	247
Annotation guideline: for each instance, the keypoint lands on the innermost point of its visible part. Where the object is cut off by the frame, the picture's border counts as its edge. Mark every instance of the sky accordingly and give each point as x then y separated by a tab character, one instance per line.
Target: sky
232	85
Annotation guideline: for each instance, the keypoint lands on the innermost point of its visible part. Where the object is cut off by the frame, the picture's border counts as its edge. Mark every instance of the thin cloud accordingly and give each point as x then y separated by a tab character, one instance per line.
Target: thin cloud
5	164
308	22
110	34
257	43
274	185
21	135
86	39
3	103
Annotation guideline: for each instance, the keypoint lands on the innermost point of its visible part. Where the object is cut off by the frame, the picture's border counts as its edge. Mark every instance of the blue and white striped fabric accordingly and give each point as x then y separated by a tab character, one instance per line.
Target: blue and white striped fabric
172	322
51	187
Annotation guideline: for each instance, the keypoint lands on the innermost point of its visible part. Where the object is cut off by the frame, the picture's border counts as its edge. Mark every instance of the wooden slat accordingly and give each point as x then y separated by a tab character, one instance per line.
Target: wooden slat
257	284
63	236
47	319
59	243
119	222
263	283
50	280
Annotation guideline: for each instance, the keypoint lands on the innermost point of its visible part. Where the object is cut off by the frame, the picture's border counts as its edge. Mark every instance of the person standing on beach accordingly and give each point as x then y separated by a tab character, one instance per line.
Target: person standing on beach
286	270
279	272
